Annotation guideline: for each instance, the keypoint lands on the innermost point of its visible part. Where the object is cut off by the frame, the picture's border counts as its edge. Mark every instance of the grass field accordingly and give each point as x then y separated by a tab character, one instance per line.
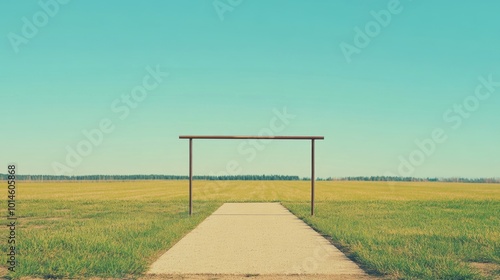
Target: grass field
402	230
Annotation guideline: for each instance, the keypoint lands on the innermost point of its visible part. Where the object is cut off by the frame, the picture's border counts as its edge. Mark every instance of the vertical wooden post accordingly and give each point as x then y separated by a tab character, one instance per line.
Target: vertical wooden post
190	176
312	177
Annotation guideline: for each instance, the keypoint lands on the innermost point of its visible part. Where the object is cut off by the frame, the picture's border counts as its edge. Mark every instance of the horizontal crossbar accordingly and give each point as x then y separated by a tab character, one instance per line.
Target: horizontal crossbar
252	137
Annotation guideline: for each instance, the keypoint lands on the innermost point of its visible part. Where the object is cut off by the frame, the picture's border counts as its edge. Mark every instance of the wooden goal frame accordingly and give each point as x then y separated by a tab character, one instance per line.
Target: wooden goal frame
219	137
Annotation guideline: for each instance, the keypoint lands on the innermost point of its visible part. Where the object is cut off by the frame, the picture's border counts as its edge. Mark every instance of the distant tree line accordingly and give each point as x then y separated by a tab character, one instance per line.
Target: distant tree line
414	179
151	177
242	178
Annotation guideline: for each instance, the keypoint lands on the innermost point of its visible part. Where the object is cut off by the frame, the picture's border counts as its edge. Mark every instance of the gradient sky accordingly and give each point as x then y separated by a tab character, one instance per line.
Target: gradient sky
230	71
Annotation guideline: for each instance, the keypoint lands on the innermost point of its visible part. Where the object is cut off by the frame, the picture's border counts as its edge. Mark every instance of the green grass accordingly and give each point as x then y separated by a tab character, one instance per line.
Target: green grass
117	229
99	238
412	239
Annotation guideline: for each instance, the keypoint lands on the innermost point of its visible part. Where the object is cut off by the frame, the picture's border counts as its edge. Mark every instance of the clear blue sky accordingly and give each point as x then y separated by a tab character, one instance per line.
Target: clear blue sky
65	67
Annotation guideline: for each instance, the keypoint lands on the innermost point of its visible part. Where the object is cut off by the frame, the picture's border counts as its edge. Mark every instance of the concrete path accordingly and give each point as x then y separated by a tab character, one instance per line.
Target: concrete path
254	238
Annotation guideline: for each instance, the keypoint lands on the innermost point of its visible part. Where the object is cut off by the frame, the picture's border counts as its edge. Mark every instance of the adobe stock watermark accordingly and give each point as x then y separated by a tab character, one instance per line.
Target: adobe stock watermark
223	6
312	263
31	26
250	149
364	35
121	107
454	117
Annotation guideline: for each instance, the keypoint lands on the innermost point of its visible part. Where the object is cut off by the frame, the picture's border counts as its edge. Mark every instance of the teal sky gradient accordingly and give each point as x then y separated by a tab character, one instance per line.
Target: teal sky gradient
228	76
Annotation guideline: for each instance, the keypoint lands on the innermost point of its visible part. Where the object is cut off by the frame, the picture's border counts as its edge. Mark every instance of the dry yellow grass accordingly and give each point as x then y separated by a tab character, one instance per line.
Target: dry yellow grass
256	190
